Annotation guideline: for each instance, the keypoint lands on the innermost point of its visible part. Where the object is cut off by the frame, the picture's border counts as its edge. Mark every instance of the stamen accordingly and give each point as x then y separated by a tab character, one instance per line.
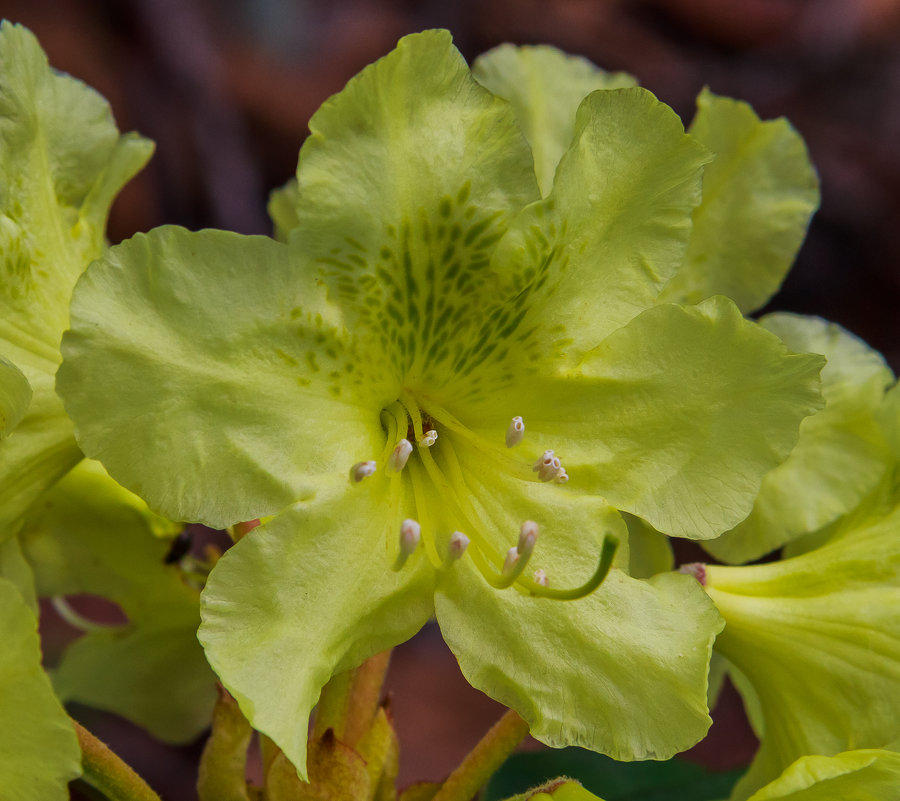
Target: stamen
362	470
695	569
428	438
458	544
528	533
562	477
400	455
540	578
547	467
515	433
410	534
511	562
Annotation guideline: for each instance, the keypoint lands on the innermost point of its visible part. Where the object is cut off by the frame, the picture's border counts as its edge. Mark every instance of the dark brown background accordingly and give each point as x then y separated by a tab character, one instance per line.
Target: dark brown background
226	87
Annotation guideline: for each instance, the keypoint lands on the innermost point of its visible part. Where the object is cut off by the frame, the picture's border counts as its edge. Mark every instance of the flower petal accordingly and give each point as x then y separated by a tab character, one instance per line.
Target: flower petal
308	595
861	775
88	535
252	390
818	638
545	87
39	753
601	247
410	176
841	455
622	671
674	418
62	161
15	395
758	197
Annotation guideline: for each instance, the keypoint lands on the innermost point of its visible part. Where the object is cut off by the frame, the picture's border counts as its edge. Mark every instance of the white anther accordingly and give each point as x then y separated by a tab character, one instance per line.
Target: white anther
512	559
515	433
528	533
562	476
547	467
400	455
362	470
410	534
458	544
540	577
429	438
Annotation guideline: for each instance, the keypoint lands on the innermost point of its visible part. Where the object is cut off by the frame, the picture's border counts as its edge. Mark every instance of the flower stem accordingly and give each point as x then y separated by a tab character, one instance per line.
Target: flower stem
107	772
349	702
484	759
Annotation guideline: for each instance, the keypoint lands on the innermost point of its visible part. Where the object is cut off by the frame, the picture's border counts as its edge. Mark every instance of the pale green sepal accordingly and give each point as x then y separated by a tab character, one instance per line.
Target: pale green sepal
283	209
860	775
622	671
840	457
39	753
758	197
410	176
818	639
15	395
39	452
230	387
545	87
88	535
308	595
675	418
600	248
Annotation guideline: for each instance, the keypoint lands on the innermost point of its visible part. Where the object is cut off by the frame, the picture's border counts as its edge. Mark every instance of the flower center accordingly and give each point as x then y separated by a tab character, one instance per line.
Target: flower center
420	459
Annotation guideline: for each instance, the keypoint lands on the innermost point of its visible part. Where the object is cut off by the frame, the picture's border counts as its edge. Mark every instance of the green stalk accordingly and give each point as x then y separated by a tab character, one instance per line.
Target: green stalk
484	759
106	772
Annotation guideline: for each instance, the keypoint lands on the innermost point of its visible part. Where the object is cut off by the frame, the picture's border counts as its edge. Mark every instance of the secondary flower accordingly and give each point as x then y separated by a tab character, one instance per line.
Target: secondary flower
445	387
815	640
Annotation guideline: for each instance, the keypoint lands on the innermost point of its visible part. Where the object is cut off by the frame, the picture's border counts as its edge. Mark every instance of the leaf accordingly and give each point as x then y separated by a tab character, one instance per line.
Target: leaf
39	753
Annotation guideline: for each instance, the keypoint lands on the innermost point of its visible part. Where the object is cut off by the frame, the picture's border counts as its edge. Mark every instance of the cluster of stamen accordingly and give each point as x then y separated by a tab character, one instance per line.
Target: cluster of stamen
549	468
404	417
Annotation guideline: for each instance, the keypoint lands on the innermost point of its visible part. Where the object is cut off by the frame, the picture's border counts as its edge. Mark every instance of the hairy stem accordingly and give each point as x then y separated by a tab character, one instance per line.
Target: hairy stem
106	772
349	701
484	759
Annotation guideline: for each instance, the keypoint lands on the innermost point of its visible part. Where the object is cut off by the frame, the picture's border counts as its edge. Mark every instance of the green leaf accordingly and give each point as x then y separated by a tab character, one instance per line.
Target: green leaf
308	595
675	418
222	775
758	197
600	248
15	395
62	161
674	780
841	455
545	87
818	639
861	775
39	753
15	568
252	388
88	535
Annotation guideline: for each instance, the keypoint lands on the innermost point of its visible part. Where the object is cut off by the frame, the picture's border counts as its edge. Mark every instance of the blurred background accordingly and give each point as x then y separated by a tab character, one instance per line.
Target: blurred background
226	87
